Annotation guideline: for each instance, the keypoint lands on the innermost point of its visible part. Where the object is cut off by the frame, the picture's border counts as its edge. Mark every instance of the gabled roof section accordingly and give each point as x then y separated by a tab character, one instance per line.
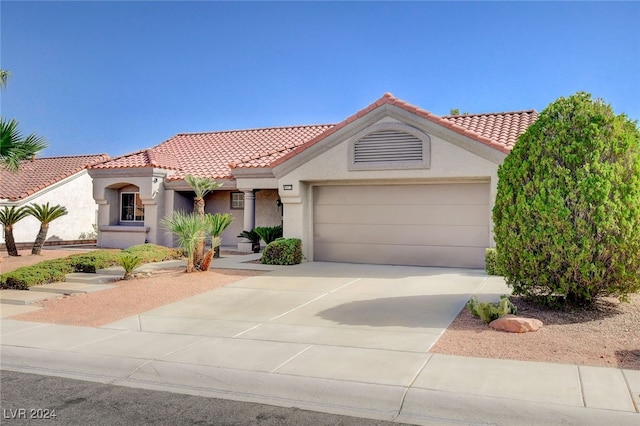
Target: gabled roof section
497	130
40	173
155	157
214	154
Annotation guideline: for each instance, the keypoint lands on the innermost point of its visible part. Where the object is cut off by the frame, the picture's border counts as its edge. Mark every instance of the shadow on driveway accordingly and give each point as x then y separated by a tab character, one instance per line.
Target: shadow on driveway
431	311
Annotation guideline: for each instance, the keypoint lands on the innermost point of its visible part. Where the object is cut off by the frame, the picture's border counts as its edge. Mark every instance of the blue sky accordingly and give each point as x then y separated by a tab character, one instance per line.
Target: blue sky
116	77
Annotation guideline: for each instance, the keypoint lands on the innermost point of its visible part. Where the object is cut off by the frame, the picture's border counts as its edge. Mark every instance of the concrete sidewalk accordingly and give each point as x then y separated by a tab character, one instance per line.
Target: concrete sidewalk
339	338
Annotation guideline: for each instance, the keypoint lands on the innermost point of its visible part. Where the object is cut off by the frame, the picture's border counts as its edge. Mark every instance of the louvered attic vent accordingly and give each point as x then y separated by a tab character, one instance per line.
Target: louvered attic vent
388	146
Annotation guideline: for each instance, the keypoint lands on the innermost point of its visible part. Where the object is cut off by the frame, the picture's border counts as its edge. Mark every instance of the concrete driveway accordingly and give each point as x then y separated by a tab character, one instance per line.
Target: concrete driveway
340	338
318	304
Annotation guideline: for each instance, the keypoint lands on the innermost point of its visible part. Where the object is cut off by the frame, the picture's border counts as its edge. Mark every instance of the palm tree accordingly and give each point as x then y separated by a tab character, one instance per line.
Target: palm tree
217	224
8	218
4	77
45	215
201	186
187	227
14	147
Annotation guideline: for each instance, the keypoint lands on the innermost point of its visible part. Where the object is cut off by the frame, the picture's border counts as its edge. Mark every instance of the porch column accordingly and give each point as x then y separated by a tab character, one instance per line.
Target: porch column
249	218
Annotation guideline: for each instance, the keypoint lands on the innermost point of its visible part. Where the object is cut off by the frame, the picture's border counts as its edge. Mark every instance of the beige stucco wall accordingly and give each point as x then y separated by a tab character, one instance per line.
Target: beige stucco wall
267	212
454	158
106	192
74	193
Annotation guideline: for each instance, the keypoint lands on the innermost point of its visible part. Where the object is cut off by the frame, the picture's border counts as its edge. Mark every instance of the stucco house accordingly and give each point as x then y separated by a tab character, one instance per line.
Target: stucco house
54	180
391	184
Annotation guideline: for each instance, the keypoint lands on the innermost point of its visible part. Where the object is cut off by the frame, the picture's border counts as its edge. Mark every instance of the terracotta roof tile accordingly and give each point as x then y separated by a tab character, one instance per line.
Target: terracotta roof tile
502	128
497	130
213	154
39	173
154	157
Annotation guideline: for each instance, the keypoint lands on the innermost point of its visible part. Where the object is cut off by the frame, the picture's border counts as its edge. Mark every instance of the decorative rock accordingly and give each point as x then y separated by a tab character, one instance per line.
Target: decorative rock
515	324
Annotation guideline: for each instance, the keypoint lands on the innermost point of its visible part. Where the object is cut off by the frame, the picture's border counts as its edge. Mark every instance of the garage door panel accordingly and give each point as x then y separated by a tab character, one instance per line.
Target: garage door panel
474	236
473	214
461	257
423	225
388	194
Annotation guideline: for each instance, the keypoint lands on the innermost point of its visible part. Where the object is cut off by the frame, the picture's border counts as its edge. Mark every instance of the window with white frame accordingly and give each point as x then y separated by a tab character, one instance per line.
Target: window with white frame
237	200
132	209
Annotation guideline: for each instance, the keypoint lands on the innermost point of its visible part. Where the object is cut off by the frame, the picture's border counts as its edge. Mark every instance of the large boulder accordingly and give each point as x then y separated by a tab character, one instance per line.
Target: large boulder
515	324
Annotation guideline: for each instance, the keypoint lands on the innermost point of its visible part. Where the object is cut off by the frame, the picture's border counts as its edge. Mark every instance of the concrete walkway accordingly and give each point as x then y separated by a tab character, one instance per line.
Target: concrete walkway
15	302
340	338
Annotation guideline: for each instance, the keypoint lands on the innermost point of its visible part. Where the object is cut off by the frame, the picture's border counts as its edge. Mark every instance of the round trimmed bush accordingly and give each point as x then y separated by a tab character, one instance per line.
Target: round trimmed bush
567	210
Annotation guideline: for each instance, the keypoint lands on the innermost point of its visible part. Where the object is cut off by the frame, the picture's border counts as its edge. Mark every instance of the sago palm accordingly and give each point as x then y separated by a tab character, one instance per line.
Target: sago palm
269	233
201	187
9	216
129	262
45	214
187	227
14	147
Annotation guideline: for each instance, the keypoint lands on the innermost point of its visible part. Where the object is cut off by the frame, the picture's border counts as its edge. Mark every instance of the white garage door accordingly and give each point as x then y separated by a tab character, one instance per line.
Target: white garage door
423	225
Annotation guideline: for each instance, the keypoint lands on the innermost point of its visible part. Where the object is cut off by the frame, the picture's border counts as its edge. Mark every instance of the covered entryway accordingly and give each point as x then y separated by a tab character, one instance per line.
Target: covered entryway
444	224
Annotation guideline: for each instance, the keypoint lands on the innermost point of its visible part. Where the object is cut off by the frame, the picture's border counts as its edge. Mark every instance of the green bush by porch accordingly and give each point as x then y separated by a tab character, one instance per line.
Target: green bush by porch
283	251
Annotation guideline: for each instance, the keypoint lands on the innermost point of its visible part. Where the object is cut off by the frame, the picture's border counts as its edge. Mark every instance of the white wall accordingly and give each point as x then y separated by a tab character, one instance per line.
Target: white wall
74	193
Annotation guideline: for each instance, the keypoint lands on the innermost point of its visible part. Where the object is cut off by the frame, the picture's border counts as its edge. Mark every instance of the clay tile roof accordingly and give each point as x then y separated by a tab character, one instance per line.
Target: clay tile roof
501	127
39	173
214	154
498	130
154	157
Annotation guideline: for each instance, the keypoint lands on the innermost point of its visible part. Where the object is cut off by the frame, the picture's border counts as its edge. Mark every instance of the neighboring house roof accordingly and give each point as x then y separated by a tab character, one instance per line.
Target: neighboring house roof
39	173
215	154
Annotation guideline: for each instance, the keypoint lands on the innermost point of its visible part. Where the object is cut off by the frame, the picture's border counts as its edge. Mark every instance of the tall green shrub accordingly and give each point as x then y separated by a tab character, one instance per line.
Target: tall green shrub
567	210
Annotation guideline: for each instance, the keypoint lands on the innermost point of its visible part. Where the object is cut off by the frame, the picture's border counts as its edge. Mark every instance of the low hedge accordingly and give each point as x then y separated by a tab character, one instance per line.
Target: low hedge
54	270
42	273
283	251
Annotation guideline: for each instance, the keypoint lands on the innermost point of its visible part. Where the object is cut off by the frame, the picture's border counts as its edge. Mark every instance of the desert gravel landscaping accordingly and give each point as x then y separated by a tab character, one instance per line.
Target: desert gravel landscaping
608	335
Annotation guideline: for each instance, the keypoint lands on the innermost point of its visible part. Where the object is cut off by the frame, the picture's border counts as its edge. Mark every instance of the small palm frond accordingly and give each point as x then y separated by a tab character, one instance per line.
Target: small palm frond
218	223
201	185
129	262
250	235
46	214
9	216
187	228
14	148
269	233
